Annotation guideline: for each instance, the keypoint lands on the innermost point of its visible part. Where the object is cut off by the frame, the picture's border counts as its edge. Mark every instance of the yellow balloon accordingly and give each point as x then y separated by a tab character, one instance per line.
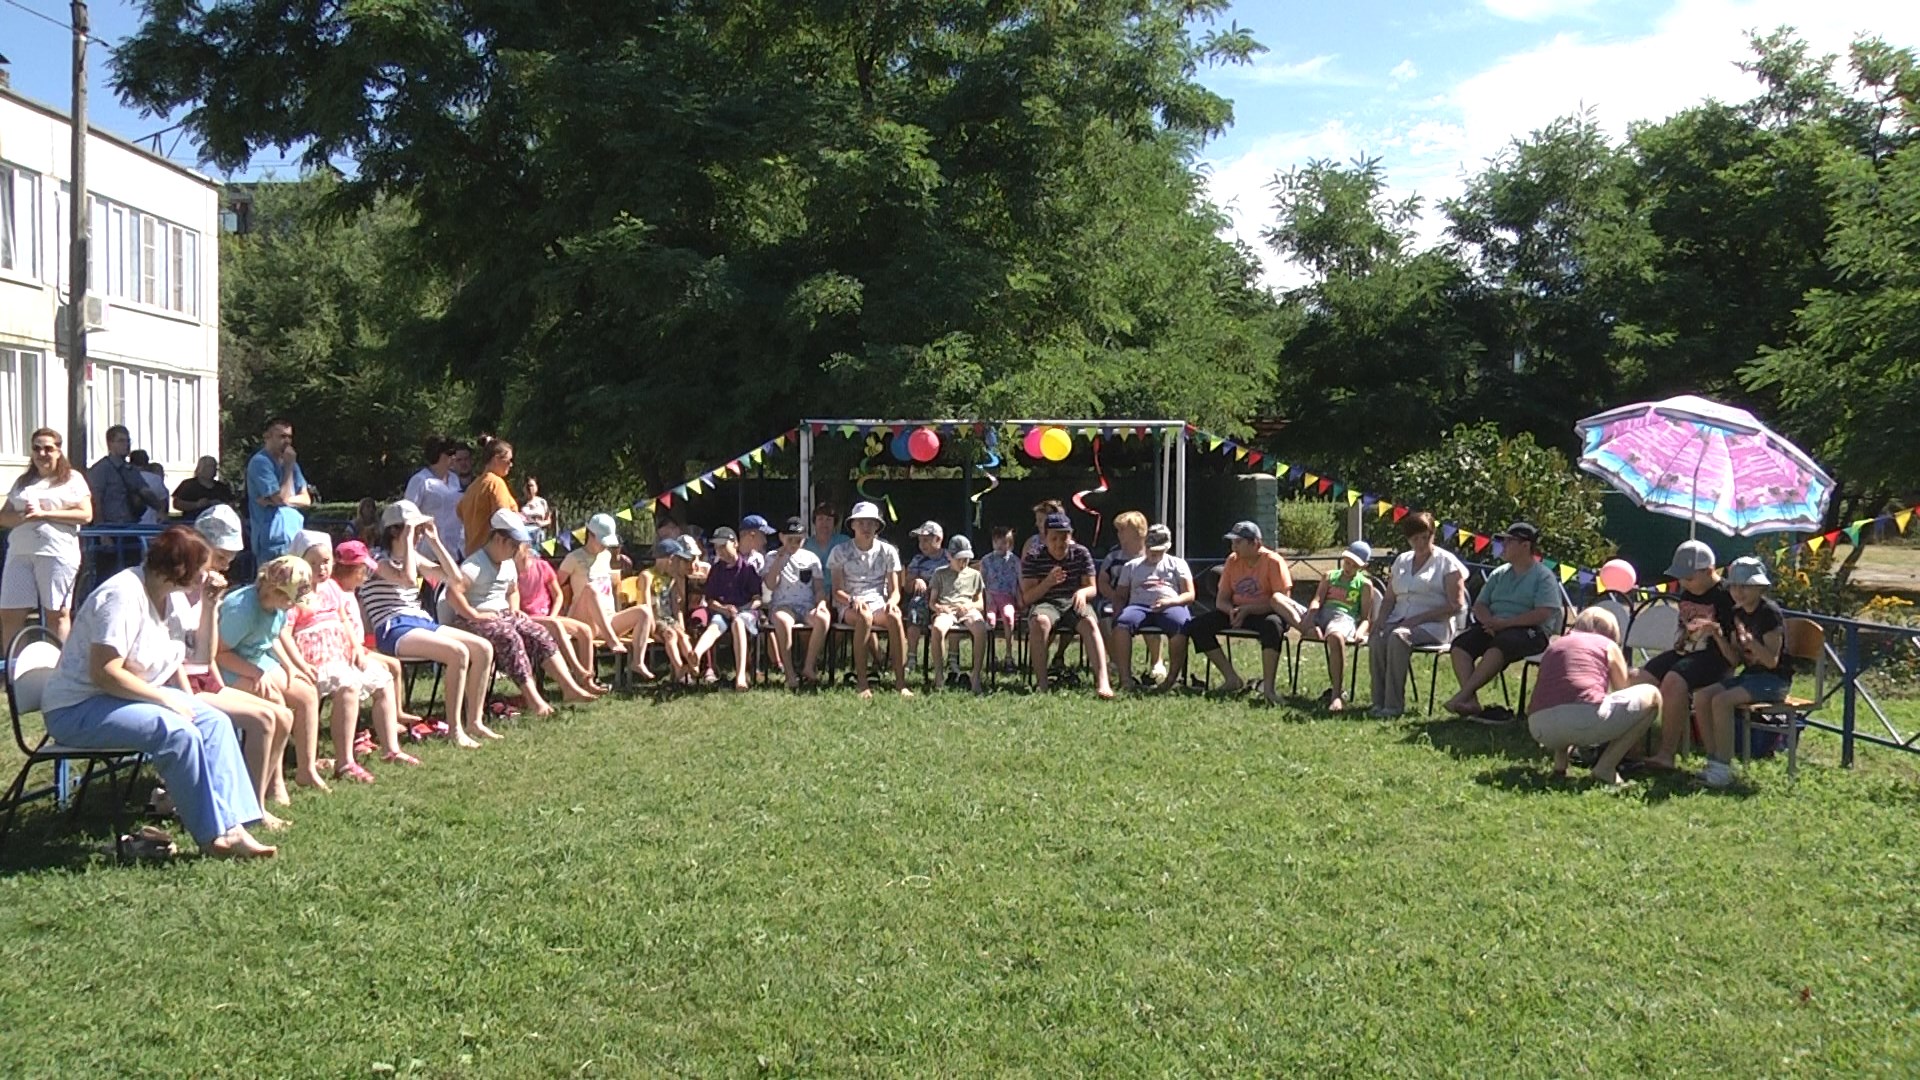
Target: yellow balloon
1056	444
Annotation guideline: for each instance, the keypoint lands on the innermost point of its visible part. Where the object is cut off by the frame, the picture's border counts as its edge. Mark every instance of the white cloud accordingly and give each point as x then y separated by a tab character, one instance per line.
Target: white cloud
1432	145
1314	71
1537	10
1403	72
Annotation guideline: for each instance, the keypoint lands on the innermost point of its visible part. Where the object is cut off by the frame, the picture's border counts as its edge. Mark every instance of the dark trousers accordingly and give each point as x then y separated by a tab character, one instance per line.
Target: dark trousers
1205	630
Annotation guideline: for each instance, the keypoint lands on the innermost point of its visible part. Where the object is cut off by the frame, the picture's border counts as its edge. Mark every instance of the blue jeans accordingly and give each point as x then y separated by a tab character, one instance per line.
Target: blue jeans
199	760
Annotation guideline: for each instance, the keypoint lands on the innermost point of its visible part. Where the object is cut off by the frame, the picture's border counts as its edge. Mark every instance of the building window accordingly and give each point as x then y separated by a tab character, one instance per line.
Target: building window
160	410
149	260
23	389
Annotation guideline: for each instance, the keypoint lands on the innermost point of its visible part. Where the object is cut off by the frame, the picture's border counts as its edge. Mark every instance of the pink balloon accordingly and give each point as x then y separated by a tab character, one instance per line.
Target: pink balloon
1032	443
1618	575
923	445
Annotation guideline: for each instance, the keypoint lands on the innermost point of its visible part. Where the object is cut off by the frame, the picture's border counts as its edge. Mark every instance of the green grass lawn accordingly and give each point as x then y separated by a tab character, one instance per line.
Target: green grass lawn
728	885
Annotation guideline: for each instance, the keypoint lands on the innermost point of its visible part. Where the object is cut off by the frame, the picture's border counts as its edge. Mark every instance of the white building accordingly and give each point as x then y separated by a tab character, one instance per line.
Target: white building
153	351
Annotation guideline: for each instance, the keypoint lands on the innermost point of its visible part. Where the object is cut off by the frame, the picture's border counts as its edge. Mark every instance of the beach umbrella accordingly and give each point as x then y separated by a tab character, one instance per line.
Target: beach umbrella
1709	463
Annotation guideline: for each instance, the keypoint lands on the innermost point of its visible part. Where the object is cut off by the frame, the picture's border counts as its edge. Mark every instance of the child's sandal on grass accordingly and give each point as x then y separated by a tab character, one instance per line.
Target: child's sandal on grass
354	771
147	842
400	757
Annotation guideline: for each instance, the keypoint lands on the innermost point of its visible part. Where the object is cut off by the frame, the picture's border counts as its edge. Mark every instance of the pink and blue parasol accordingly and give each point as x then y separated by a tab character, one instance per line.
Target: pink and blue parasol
1709	463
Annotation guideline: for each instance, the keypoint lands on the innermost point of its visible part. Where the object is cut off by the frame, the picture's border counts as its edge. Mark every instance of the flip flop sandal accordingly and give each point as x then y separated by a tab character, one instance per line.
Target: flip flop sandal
353	771
146	842
419	732
159	804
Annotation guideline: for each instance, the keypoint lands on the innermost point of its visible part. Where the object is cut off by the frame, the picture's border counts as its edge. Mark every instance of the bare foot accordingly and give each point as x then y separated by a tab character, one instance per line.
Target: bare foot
486	732
904	692
1105	693
1461	708
866	694
1336	705
740	686
464	741
311	781
271	823
240	844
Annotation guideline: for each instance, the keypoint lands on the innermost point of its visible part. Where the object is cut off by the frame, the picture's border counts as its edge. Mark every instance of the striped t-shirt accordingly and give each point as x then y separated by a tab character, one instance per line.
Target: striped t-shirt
383	598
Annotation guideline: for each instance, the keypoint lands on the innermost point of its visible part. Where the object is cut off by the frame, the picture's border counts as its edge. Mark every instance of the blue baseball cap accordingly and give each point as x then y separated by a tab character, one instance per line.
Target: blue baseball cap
756	523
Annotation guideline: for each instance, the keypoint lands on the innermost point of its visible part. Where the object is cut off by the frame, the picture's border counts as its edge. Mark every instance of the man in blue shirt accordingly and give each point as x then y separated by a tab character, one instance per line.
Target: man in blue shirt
276	492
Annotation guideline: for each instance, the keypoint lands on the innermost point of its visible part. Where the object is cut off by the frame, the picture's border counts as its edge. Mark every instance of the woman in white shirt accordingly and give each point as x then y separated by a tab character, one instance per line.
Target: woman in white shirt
436	490
119	684
1426	590
43	514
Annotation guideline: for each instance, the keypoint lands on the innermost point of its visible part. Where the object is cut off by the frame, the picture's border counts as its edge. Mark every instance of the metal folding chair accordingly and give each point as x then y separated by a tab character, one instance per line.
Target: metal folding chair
30	663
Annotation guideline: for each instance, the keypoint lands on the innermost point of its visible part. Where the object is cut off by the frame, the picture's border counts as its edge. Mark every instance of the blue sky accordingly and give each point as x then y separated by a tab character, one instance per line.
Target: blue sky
1432	87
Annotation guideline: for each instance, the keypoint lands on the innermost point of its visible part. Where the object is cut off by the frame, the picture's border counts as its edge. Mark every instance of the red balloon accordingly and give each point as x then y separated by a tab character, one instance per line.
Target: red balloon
923	445
1032	443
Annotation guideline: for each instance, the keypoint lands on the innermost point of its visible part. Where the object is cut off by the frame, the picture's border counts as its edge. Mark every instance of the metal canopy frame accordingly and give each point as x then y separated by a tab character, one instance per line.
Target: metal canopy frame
1173	457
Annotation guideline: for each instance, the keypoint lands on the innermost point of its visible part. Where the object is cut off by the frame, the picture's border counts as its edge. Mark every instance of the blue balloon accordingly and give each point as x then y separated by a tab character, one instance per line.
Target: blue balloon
899	447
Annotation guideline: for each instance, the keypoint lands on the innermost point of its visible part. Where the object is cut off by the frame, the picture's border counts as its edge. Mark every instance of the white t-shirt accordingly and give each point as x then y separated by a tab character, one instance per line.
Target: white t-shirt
598	567
793	589
535	511
116	615
487	584
1425	589
158	485
57	538
440	500
863	574
1147	582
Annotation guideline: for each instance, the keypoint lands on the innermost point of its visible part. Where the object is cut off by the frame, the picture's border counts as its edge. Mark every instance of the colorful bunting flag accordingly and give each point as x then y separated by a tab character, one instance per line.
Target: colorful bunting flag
625	515
1353	497
1567	573
1398	513
1902	518
1324	485
1385	508
1309	480
1480	542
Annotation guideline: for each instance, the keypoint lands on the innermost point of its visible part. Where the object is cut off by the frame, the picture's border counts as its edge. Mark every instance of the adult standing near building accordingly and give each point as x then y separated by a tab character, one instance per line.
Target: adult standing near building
203	491
121	494
43	515
435	491
276	493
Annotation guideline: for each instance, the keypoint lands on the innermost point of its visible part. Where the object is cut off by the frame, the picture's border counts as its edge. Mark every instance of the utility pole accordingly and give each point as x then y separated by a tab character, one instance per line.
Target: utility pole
80	229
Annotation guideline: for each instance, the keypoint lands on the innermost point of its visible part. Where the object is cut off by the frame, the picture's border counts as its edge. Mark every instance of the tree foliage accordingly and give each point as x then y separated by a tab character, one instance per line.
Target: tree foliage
309	305
670	229
1476	475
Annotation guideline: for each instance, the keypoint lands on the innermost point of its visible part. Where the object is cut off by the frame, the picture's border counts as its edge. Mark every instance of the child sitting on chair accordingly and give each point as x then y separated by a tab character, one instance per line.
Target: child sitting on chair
1001	571
929	560
955	596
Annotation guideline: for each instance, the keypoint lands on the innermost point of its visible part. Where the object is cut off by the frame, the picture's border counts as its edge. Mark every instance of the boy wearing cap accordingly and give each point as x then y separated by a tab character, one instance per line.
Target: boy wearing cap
1759	642
1695	662
866	579
1340	615
1519	607
1157	591
754	534
733	604
930	559
1057	584
798	585
1255	594
956	596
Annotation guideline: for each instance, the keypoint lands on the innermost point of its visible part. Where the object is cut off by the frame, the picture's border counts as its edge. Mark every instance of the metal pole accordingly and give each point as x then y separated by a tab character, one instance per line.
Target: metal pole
1850	671
81	243
806	475
1160	477
1180	493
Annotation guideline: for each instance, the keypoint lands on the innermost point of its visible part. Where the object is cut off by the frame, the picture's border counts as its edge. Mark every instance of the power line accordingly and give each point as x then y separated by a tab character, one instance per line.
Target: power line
61	23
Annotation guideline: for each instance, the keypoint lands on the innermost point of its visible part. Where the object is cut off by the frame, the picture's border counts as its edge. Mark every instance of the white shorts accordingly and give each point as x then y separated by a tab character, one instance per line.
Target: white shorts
1594	723
796	612
1336	623
368	680
870	604
37	581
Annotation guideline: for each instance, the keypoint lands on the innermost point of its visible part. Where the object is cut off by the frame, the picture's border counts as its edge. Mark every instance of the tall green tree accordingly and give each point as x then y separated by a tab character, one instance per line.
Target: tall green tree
309	307
671	229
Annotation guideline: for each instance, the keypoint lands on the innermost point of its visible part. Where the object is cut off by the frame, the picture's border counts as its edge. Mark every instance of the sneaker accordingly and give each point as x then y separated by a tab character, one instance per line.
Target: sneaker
1494	716
1158	673
1717	774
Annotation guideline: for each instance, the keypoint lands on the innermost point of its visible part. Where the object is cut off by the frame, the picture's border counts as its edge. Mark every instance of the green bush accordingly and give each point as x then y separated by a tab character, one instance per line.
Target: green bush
1481	481
1306	526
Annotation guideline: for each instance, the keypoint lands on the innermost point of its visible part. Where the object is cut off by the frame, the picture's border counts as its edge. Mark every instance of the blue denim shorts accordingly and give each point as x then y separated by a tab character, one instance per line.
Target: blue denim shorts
1763	688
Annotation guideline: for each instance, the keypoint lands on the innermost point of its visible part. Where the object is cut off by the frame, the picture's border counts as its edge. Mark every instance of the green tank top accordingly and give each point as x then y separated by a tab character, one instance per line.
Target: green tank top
1345	589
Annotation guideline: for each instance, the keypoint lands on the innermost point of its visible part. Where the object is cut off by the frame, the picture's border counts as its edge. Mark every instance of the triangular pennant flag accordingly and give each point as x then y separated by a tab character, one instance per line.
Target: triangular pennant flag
681	491
1567	572
1254	457
694	486
1814	542
1853	533
1480	543
1324	485
1353	497
550	546
1499	547
1308	480
1446	533
1902	518
1240	454
1399	512
1833	537
780	443
734	466
753	456
625	515
1586	577
666	499
1279	468
1383	509
580	536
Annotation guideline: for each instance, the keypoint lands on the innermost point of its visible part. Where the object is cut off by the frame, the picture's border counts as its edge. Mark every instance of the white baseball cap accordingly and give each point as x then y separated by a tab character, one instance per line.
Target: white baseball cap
605	529
506	521
220	526
402	512
309	538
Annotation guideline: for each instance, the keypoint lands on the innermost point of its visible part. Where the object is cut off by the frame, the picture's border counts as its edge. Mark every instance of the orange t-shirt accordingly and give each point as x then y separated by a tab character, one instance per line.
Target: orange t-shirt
488	494
1256	578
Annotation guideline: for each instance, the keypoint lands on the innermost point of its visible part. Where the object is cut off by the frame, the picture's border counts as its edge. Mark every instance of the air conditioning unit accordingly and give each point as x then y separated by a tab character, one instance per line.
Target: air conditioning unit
95	314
